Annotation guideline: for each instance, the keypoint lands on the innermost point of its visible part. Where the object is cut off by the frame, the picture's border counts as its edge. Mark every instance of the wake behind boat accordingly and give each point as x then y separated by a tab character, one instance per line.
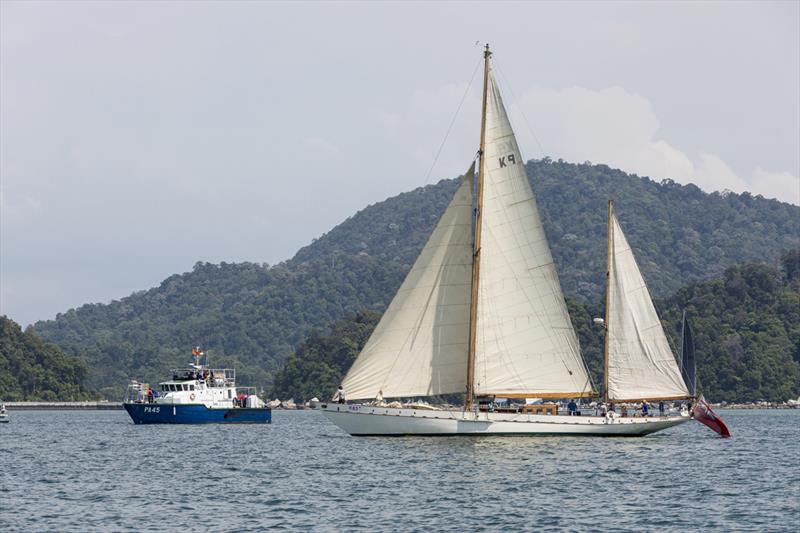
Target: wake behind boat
482	311
196	395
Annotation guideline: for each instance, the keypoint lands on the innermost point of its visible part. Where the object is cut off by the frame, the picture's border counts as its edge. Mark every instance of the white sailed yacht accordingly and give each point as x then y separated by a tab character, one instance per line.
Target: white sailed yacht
481	312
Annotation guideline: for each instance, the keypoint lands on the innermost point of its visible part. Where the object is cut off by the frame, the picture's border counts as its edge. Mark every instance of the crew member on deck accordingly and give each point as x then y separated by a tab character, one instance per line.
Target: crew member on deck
340	395
572	408
645	408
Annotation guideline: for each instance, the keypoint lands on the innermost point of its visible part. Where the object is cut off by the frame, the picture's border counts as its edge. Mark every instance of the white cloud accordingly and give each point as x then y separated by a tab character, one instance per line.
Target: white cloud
319	145
621	129
13	206
713	174
782	185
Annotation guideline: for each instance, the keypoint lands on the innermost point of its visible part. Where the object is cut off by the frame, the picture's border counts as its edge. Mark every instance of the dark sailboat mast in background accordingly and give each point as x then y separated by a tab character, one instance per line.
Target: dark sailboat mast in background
688	362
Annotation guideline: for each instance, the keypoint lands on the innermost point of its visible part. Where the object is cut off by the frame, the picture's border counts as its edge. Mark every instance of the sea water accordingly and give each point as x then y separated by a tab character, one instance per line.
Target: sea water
96	471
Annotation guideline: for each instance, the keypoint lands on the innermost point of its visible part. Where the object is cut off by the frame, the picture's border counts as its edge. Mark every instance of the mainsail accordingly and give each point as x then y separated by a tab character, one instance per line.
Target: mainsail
419	347
526	345
640	363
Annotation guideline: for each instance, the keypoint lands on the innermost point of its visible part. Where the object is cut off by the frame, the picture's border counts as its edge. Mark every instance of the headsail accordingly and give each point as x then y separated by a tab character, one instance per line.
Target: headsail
419	347
640	361
526	345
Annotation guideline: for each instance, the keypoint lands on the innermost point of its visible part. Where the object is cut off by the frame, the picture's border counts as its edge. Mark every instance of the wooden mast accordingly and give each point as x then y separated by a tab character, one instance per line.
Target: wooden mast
476	257
605	323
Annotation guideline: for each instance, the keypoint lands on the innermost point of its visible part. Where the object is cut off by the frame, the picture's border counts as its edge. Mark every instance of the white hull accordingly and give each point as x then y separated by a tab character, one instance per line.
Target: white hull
368	420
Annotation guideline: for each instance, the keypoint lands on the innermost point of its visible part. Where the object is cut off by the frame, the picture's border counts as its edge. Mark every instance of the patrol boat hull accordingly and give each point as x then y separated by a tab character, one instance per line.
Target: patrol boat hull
362	420
153	413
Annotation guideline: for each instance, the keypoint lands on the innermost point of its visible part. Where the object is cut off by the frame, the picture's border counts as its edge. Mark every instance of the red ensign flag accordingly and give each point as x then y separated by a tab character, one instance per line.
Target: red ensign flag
703	414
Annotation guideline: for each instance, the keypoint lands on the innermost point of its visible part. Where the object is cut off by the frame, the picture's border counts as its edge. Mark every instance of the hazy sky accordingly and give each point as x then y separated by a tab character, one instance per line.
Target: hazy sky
137	138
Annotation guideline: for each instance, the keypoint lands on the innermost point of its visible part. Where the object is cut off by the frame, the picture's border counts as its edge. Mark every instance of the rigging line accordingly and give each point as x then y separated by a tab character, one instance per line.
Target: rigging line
452	122
519	107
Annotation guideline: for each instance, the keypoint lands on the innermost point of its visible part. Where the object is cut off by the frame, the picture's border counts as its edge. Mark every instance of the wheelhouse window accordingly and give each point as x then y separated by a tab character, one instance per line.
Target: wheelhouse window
191	387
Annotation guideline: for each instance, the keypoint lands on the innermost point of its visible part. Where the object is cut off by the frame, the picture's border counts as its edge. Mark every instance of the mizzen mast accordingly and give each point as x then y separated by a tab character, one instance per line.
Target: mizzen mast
476	258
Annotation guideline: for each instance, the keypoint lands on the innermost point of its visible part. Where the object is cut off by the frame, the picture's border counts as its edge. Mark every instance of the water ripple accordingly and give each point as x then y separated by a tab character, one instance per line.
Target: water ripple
95	471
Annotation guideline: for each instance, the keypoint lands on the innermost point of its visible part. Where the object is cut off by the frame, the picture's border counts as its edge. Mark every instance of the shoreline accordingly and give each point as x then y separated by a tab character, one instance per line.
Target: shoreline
63	406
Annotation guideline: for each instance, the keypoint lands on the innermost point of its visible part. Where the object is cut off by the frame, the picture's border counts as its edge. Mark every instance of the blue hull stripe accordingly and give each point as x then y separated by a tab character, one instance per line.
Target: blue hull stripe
195	414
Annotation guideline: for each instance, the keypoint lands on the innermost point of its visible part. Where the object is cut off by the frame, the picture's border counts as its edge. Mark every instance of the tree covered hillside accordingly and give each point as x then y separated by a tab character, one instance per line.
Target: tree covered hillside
244	315
679	232
317	366
747	330
33	370
746	325
254	315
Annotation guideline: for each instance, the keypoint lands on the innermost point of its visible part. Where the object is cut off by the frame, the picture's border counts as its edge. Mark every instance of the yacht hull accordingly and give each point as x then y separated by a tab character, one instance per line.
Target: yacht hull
153	413
362	420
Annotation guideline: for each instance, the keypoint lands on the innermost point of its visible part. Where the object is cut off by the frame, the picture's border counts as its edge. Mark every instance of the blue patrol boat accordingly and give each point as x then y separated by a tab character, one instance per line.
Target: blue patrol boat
196	395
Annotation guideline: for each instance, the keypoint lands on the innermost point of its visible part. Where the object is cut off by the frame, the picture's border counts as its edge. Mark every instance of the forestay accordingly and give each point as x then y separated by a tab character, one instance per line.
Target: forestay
526	345
640	361
419	347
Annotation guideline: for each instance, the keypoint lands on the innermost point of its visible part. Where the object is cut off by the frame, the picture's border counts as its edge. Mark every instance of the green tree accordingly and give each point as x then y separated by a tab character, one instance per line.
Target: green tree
31	369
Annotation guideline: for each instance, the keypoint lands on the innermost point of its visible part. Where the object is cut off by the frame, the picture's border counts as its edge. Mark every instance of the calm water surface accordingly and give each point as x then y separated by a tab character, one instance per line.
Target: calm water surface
92	471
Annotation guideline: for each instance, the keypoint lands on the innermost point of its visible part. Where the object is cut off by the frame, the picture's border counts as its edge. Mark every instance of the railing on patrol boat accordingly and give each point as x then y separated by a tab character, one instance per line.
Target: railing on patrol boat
214	377
136	392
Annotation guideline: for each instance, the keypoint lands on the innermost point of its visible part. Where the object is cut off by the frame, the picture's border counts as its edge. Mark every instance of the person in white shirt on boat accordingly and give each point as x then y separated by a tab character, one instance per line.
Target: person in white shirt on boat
339	396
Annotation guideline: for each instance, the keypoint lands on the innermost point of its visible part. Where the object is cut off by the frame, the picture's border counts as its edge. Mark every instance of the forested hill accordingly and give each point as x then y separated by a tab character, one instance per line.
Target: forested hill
33	370
746	325
747	330
254	315
679	232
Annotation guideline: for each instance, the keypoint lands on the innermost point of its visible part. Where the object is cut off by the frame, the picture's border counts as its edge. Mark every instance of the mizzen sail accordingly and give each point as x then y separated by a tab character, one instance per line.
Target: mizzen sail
525	342
419	347
640	361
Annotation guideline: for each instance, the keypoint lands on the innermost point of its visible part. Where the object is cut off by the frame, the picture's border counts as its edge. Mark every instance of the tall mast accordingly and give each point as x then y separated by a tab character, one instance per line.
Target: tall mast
605	323
476	259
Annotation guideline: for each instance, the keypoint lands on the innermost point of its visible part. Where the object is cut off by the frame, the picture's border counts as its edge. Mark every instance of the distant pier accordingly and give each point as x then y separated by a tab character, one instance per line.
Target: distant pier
62	406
